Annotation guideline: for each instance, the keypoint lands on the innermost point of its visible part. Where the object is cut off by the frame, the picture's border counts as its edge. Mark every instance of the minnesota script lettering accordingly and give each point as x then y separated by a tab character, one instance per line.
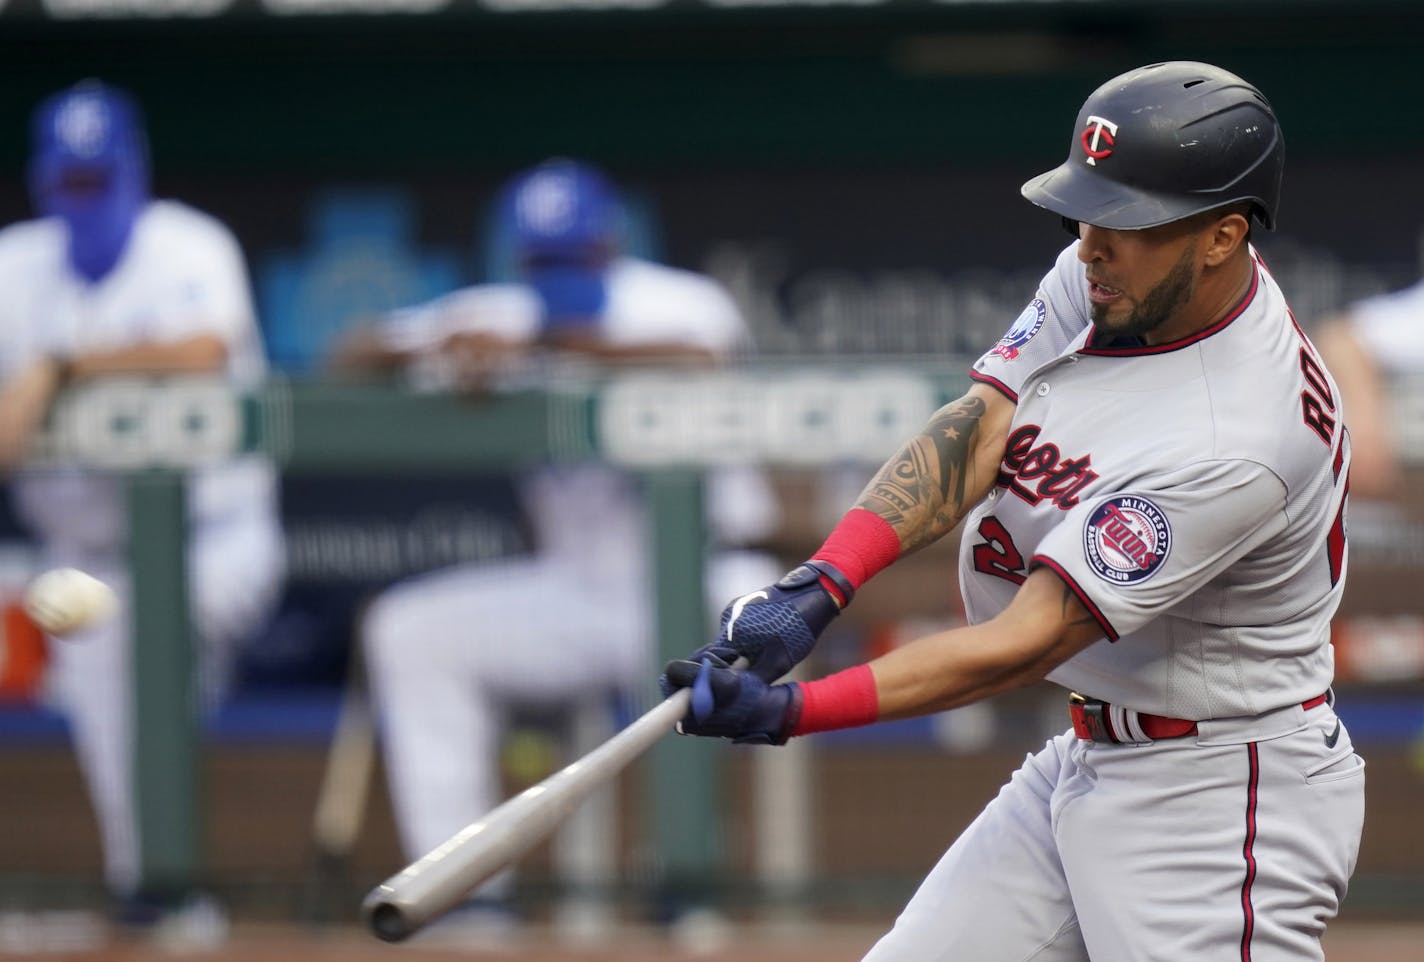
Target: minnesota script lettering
1037	471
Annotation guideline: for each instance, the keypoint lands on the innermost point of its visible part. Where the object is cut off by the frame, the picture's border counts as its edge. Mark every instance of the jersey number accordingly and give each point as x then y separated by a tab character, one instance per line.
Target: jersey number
997	555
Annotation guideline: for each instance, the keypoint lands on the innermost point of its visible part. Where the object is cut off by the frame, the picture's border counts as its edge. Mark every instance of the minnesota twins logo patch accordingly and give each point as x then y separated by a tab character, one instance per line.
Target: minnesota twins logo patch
1126	539
1025	326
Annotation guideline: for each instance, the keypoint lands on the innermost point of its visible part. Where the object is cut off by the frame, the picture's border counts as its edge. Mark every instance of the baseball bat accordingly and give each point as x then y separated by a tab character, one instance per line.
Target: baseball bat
345	790
341	801
431	885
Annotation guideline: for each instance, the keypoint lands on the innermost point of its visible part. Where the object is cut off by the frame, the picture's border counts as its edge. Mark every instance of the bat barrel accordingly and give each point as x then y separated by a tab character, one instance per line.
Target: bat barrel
430	886
441	879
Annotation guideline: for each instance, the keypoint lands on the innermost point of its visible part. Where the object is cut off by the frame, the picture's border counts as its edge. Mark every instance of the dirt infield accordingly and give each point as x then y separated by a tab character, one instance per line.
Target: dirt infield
808	942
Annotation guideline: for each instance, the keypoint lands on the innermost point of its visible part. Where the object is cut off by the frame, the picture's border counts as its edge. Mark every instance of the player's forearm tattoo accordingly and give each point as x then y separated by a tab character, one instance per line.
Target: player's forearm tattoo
921	491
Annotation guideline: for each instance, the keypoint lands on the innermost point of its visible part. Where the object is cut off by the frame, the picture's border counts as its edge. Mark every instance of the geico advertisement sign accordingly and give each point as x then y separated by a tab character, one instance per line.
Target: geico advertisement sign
123	423
662	419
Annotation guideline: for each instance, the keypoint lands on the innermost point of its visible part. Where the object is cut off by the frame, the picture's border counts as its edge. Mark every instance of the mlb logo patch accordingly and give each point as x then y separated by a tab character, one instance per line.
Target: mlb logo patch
1025	326
1126	539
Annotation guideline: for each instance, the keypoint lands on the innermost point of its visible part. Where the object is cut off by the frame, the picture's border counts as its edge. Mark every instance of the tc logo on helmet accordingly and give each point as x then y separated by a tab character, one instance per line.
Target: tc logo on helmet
1098	138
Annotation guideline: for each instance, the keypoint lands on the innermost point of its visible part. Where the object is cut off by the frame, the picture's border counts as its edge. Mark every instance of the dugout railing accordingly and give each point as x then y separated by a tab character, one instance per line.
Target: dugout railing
667	426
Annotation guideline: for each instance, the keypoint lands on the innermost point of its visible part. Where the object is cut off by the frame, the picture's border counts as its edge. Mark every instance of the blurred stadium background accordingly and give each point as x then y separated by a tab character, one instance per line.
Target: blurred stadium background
850	170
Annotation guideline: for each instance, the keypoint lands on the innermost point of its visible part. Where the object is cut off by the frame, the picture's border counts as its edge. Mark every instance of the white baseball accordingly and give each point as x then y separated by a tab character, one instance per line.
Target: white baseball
64	600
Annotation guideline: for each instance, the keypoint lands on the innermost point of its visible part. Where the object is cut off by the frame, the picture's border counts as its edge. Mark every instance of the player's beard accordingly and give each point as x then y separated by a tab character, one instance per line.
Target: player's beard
1159	306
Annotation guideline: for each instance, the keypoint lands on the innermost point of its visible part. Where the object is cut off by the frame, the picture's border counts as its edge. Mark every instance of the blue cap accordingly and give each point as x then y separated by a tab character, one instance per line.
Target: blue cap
561	207
562	217
89	167
88	126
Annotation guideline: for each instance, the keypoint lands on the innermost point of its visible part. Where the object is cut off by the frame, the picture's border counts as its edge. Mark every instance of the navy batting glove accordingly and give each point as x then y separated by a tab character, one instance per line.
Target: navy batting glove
775	627
734	704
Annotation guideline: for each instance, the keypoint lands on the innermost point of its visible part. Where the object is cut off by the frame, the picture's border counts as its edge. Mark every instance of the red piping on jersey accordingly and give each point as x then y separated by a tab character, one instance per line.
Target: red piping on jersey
1248	852
996	384
1072	584
1190	339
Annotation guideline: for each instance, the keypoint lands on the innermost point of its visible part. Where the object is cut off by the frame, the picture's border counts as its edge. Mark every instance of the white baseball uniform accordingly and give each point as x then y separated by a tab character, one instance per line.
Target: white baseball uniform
182	274
1391	328
1192	496
447	652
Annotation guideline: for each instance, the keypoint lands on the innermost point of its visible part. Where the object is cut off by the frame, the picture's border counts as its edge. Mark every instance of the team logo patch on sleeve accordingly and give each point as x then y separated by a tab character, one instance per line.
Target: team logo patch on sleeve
1025	326
1126	539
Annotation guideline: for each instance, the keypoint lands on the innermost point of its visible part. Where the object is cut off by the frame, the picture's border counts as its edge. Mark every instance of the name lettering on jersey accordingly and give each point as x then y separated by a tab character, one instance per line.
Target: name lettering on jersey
1126	539
1038	471
1317	401
1025	326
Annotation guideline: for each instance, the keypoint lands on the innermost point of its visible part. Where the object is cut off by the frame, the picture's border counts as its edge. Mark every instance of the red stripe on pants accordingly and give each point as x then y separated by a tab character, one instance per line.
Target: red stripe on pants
1248	915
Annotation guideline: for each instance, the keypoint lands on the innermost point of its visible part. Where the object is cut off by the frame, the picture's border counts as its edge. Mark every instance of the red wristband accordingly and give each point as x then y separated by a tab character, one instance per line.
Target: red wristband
862	544
847	699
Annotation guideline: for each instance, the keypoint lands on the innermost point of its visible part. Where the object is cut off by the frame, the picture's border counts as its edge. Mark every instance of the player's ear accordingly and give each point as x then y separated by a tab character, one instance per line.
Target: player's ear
1226	235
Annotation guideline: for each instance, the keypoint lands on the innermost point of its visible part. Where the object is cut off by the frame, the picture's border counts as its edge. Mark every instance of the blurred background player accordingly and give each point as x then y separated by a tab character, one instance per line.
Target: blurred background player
1366	345
109	281
449	652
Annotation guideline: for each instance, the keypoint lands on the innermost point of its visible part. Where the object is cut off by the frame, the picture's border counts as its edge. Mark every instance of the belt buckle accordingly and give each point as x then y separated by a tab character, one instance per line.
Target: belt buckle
1089	718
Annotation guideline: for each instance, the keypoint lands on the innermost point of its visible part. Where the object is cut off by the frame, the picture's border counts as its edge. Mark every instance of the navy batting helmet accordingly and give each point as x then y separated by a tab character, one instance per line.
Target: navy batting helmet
1163	142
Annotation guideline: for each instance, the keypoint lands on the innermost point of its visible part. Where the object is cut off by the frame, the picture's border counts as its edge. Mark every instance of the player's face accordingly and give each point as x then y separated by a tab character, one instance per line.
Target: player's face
1141	282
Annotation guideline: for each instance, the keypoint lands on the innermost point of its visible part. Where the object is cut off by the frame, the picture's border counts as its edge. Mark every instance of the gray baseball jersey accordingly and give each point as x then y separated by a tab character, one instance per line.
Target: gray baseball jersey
1204	530
1192	496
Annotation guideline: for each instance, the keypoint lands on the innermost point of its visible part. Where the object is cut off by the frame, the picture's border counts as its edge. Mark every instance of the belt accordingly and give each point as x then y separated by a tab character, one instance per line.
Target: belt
1098	721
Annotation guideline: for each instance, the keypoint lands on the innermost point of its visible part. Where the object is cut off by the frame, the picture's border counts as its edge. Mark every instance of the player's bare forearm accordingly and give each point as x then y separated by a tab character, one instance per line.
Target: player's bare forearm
364	352
193	355
939	474
24	401
1043	627
596	345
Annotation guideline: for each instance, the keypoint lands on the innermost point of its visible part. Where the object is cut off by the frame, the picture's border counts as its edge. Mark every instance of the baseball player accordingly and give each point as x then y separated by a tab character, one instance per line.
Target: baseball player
449	652
1368	343
110	281
1151	470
